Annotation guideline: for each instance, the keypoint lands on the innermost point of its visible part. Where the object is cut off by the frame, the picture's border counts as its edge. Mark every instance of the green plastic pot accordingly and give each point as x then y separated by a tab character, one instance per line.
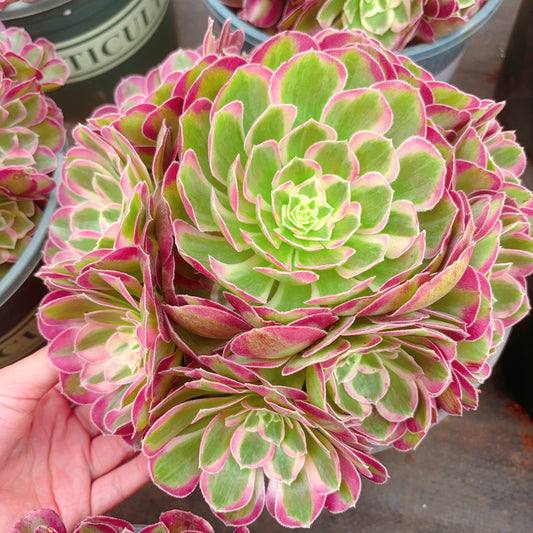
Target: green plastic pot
101	40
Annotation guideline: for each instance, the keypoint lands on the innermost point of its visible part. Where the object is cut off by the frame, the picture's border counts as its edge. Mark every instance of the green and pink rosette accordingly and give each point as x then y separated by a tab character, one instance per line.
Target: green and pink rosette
266	266
395	23
48	521
31	136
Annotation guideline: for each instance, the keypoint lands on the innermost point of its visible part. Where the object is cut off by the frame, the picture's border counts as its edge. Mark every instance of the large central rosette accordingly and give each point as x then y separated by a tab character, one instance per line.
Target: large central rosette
313	180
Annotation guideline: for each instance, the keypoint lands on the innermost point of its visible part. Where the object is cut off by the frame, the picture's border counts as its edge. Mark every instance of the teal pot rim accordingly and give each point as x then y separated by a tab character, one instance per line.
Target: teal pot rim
417	52
21	9
30	257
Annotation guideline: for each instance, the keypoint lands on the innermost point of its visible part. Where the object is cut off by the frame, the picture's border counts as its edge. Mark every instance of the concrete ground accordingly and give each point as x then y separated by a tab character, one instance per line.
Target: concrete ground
471	474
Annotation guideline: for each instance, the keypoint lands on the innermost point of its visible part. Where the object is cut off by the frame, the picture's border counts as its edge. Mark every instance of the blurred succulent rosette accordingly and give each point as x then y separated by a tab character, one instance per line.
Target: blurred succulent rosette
264	266
176	521
442	17
395	23
31	136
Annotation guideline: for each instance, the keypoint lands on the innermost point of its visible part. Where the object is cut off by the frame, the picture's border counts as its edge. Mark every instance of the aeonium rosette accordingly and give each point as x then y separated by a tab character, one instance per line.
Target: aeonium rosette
228	422
361	232
395	23
102	315
176	521
142	104
320	249
31	135
349	196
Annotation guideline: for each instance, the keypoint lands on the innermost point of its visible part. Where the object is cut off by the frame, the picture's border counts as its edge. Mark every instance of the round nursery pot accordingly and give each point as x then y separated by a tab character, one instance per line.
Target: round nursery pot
21	293
101	41
441	58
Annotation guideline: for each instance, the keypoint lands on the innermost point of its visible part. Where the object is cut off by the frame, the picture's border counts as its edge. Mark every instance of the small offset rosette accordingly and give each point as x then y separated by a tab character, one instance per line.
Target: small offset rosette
102	315
227	422
144	104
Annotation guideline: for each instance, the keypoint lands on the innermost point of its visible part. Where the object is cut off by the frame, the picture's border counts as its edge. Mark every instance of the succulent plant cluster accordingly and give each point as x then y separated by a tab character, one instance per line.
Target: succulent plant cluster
395	23
48	521
31	135
255	281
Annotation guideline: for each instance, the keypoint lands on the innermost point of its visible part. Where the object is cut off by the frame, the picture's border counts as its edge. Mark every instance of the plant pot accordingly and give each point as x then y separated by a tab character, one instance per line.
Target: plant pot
101	41
441	58
21	292
515	79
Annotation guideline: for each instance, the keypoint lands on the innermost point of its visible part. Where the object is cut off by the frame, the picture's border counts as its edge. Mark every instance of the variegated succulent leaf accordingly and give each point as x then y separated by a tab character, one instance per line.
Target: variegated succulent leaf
299	207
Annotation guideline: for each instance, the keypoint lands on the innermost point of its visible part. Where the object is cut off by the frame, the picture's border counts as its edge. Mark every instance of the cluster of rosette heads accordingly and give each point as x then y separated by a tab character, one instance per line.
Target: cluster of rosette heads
264	267
31	136
48	521
395	23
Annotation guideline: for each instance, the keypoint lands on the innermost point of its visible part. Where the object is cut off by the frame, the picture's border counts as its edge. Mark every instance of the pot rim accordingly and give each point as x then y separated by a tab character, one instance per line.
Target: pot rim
20	10
30	257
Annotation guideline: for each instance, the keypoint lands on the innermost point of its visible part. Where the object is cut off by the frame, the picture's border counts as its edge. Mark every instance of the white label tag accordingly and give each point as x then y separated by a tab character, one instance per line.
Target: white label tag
111	43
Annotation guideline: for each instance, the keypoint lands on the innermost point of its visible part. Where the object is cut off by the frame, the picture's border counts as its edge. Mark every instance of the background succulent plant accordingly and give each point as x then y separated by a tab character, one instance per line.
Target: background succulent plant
444	16
48	521
31	135
280	279
395	23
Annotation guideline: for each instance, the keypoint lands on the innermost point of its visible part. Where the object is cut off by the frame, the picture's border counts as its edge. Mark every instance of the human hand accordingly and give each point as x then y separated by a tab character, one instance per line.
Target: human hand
51	455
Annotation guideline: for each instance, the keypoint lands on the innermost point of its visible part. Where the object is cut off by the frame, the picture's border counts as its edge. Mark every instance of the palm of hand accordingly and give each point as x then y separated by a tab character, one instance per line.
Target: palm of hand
50	453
